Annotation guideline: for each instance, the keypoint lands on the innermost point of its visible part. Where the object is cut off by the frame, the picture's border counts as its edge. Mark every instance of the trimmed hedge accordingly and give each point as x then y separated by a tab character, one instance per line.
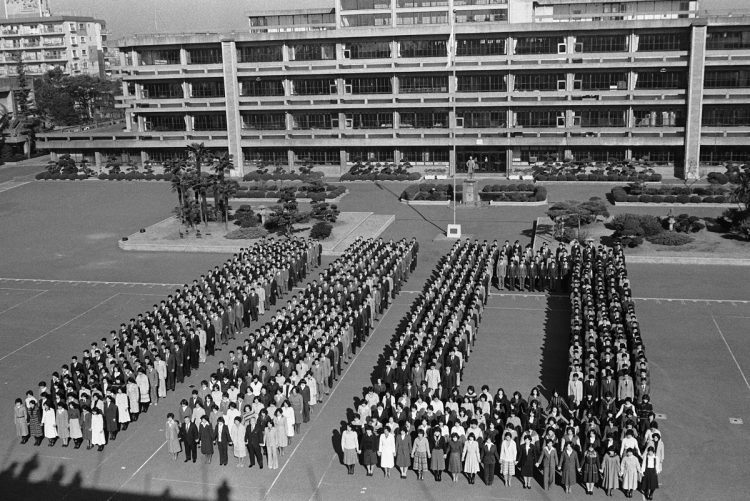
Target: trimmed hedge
321	230
670	238
284	176
650	178
247	233
670	195
411	176
326	192
499	192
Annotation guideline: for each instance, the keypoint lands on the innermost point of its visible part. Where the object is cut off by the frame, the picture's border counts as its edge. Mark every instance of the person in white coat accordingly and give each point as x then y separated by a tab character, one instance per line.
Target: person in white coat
97	429
144	388
49	422
387	451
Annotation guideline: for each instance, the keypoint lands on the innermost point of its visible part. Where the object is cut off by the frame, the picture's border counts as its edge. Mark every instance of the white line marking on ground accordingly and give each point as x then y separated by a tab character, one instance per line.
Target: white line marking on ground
730	351
136	471
24	301
322	406
701	300
170	480
317	488
56	457
59	327
87	282
19	289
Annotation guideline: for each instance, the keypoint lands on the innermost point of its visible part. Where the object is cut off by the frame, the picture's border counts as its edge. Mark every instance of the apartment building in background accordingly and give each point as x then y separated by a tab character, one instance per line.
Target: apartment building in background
434	81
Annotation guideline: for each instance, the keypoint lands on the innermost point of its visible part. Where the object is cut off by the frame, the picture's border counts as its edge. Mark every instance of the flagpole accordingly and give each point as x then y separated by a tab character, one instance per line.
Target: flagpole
453	48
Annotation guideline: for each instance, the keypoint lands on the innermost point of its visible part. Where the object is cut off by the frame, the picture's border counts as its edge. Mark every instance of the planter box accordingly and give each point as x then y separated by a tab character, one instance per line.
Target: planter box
426	202
675	204
518	204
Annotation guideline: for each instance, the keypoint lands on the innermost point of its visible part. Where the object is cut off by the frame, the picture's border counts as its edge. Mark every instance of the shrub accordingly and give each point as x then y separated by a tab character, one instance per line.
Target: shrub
717	178
671	238
720	199
42	175
683	199
247	233
321	230
670	199
688	224
619	194
540	194
644	198
244	217
410	192
695	199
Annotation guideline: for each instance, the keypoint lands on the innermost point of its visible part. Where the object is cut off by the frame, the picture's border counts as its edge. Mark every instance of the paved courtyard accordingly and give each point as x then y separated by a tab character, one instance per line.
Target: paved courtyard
64	283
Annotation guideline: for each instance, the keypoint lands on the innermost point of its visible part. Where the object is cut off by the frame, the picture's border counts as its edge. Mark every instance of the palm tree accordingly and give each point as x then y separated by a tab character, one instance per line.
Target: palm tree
199	153
178	171
223	190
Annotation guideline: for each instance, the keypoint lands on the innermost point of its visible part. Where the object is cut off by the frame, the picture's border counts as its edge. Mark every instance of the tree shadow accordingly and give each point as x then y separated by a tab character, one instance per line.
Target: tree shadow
554	360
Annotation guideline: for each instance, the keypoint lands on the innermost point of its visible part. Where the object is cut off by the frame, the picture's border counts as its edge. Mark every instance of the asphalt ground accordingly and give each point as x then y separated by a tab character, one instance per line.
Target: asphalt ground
64	283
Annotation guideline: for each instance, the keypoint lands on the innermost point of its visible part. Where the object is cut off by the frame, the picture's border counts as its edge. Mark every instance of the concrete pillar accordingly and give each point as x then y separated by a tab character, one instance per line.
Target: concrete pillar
128	121
510	82
694	97
633	42
343	168
188	123
394	85
396	155
144	158
285	52
186	90
394	49
628	153
509	161
141	123
232	94
97	160
183	56
342	121
452	162
290	159
134	58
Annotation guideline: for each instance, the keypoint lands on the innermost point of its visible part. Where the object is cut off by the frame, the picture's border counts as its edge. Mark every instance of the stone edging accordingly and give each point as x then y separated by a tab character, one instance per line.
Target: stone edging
276	200
675	204
426	202
718	261
649	183
518	204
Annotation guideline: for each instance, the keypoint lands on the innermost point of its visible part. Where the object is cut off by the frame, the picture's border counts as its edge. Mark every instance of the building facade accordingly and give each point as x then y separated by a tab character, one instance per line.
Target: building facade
72	43
434	81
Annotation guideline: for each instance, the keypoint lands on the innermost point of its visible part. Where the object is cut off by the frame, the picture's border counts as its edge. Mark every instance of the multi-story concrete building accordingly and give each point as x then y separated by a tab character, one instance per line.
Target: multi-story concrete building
434	81
72	43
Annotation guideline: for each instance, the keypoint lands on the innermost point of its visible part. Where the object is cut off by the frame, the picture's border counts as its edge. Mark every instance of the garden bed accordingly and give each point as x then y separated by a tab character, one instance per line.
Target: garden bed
710	196
512	193
388	171
129	176
303	191
598	178
411	176
437	193
283	176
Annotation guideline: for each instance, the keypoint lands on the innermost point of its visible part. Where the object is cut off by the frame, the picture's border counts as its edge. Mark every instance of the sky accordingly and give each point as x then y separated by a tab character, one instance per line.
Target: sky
127	17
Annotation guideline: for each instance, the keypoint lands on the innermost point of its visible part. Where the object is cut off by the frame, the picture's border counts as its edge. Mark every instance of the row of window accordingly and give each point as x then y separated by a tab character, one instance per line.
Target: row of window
476	46
643	117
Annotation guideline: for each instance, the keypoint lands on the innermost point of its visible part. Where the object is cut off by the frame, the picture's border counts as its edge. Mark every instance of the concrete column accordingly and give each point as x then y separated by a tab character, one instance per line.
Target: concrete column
186	90
396	155
628	153
343	169
629	118
394	85
141	123
188	123
340	86
342	121
289	118
696	66
144	158
510	82
97	160
394	49
183	56
290	159
396	120
509	161
633	42
452	162
129	121
134	58
232	94
285	52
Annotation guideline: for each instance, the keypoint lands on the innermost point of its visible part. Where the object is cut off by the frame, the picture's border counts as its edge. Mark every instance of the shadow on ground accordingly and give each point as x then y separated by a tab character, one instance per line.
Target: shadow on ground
16	481
554	362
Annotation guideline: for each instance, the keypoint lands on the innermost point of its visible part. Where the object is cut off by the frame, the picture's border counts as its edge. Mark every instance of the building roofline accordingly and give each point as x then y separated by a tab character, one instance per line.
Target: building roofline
51	19
290	12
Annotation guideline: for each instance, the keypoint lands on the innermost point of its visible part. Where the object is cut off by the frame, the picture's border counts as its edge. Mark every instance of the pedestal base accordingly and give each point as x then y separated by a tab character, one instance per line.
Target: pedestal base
471	196
453	231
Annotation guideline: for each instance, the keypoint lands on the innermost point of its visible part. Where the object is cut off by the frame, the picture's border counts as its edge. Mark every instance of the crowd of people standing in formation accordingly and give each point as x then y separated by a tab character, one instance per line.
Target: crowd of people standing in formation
94	397
256	400
601	431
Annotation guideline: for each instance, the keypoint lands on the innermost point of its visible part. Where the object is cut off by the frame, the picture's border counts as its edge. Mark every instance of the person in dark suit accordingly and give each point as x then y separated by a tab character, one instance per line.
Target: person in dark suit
253	439
490	456
222	441
189	436
206	439
528	456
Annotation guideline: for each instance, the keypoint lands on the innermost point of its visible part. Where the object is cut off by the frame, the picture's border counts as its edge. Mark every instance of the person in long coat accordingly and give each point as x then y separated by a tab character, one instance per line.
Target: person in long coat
403	451
610	471
590	468
123	409
206	439
279	423
21	419
437	457
134	399
387	451
650	470
98	438
237	432
35	422
172	435
570	465
350	448
190	438
527	458
630	472
471	457
370	446
548	461
455	450
110	418
49	422
289	415
86	423
63	426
